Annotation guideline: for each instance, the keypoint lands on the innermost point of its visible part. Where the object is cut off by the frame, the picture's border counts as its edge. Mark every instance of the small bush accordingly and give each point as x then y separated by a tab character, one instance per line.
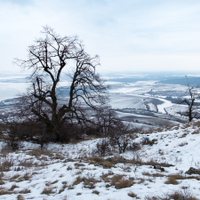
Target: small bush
134	146
90	181
103	148
121	141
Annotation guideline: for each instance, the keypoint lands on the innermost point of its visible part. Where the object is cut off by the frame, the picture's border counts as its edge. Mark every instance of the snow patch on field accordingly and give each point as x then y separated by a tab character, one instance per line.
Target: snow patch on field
51	173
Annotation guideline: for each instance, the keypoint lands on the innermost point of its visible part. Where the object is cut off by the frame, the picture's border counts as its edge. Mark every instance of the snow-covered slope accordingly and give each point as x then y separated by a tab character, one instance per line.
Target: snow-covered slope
72	172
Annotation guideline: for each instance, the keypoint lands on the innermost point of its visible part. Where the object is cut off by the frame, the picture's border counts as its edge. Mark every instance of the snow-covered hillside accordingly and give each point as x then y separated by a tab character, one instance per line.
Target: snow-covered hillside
74	172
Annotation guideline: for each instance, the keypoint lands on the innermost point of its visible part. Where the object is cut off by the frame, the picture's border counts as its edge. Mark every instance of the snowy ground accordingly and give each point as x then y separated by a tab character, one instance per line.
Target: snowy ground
72	172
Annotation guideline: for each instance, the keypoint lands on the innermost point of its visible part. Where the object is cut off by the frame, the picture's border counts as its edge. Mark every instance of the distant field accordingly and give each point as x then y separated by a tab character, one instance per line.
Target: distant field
147	99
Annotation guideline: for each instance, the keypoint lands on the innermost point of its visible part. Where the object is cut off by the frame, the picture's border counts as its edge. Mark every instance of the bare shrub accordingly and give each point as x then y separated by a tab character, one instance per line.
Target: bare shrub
103	148
134	146
90	181
6	164
121	141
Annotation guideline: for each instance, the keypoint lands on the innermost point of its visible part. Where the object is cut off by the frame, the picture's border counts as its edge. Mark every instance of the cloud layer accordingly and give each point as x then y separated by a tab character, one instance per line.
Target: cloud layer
132	35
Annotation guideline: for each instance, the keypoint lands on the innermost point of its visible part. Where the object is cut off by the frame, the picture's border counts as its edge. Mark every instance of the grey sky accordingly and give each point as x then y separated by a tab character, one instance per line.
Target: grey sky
128	35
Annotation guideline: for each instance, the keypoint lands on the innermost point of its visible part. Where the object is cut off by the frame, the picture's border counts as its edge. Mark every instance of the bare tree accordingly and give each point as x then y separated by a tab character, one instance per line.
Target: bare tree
192	110
106	120
48	59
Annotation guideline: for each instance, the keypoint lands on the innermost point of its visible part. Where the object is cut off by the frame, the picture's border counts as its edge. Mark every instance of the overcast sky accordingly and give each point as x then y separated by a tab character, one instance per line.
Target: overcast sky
128	35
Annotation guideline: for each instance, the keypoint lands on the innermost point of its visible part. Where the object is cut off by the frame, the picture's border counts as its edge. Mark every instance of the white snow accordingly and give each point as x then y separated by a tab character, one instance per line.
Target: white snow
59	165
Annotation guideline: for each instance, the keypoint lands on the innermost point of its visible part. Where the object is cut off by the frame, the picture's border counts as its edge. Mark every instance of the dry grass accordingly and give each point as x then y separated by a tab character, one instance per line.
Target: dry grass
177	195
27	176
6	164
25	191
124	184
77	165
69	168
48	191
90	181
180	177
20	197
171	180
4	191
27	163
63	187
105	177
13	187
51	183
152	175
119	182
132	194
15	177
95	192
38	152
77	181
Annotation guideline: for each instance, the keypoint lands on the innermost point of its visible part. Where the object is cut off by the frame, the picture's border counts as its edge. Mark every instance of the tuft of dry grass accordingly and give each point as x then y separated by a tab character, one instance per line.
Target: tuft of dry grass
20	197
51	183
124	184
77	165
132	194
90	181
63	187
177	195
105	177
119	182
6	164
13	187
4	191
171	180
95	192
38	152
78	180
48	191
25	191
